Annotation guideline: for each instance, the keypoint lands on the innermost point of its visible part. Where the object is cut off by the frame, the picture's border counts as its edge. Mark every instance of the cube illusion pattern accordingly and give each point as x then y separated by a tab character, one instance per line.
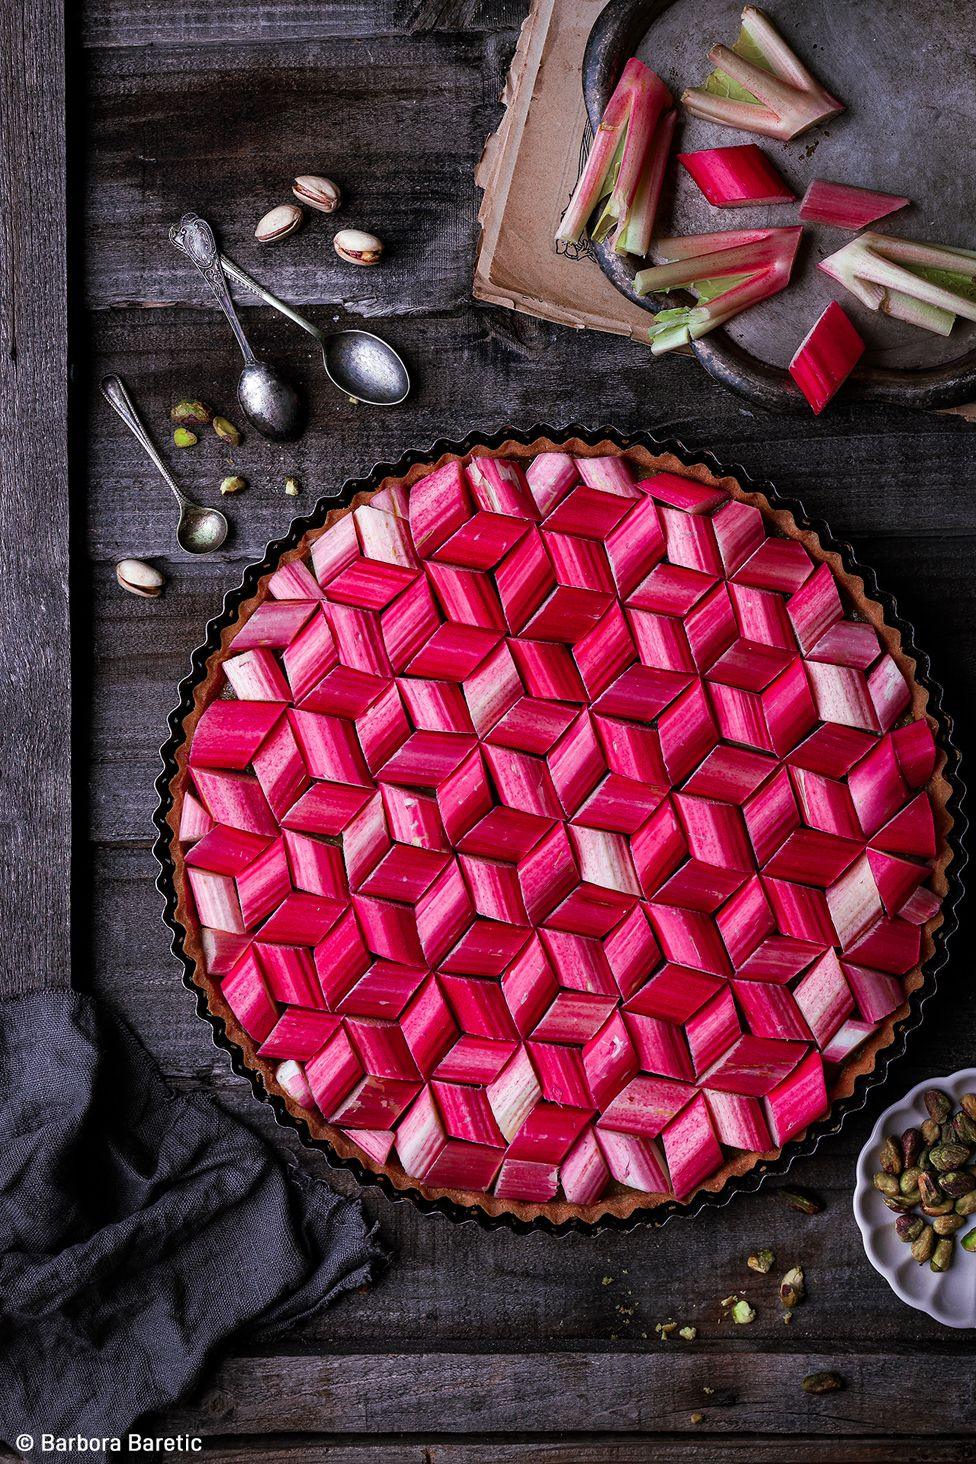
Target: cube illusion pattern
558	830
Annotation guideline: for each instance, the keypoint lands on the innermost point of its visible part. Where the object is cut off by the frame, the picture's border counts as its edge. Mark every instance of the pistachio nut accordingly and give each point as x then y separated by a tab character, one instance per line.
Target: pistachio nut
937	1104
801	1200
890	1157
968	1104
688	1334
964	1127
947	1224
968	1241
945	1208
966	1205
743	1314
949	1156
901	1204
292	489
233	485
928	1188
761	1261
947	1132
792	1289
909	1227
319	193
226	431
923	1245
956	1183
190	414
886	1183
942	1254
908	1180
139	578
930	1131
823	1382
278	223
911	1146
356	247
183	437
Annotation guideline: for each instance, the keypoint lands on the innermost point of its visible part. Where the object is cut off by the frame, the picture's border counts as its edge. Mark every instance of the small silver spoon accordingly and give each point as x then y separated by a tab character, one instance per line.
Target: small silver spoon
267	398
199	530
359	363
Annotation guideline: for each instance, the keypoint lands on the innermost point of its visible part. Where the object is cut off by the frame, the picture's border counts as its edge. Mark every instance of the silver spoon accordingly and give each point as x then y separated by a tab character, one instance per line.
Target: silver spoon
267	398
359	363
199	530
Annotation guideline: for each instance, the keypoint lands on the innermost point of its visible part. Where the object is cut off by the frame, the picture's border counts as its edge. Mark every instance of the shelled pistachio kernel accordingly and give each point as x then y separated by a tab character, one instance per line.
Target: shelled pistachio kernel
183	437
792	1288
823	1382
937	1104
801	1200
956	1183
941	1258
292	489
688	1334
923	1245
947	1224
930	1131
890	1157
911	1147
886	1183
968	1104
968	1241
233	485
226	431
948	1156
190	414
909	1227
742	1313
966	1205
908	1179
761	1261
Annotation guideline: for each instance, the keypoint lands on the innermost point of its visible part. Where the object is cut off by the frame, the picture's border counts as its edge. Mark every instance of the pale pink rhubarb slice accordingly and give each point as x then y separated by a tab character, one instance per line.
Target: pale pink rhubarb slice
826	356
844	206
760	85
691	1149
798	1100
731	177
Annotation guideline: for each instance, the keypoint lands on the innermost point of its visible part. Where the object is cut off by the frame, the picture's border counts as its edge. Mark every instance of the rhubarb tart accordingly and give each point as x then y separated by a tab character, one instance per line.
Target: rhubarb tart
558	830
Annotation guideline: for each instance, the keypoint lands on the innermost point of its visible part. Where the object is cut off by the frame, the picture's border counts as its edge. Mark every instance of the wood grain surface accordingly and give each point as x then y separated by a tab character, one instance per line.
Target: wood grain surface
486	1349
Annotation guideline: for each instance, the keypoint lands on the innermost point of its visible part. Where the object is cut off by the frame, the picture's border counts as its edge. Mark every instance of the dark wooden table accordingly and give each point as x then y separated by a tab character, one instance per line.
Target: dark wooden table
491	1349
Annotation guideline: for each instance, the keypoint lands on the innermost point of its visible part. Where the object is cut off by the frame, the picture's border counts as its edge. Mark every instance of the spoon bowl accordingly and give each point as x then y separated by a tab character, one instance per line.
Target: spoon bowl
200	530
269	401
365	367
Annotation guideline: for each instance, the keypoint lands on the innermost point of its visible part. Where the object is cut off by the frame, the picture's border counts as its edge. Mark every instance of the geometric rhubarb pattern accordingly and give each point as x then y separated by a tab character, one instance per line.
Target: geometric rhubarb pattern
557	831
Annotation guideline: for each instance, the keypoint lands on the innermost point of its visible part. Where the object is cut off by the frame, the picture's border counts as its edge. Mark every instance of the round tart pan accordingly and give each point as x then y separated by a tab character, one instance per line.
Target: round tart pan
866	1070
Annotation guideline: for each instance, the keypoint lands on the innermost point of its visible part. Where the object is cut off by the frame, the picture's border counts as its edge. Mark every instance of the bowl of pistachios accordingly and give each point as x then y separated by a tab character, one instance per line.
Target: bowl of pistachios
915	1198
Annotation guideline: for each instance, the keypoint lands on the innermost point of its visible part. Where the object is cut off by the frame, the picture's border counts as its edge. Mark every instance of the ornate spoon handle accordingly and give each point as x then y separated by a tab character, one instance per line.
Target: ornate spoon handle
194	237
236	273
116	395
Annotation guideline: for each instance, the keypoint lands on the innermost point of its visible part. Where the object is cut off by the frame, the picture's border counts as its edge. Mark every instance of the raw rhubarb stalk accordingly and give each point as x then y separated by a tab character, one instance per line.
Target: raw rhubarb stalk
826	357
731	177
760	85
845	207
626	163
755	264
924	284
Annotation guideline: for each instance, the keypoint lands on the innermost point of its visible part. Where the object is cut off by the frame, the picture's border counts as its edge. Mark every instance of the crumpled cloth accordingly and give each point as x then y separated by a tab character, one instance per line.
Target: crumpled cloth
140	1228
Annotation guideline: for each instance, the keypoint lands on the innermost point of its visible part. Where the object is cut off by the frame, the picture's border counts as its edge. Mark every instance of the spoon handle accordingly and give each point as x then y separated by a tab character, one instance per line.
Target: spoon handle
194	237
116	395
236	273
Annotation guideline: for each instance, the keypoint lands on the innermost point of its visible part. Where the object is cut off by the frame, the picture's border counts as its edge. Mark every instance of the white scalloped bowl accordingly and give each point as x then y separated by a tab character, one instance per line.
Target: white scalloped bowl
949	1297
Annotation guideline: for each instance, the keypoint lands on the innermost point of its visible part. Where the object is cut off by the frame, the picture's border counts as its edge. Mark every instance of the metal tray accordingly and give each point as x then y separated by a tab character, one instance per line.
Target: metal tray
841	1109
911	110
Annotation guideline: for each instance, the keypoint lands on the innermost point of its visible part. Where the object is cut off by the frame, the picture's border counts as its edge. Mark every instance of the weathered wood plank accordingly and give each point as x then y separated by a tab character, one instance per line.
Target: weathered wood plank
652	1392
142	23
594	1450
310	108
35	641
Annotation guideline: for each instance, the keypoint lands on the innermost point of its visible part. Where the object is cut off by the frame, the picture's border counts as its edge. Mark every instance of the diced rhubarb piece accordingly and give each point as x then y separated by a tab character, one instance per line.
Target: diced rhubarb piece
263	885
487	948
890	945
911	831
710	627
690	1147
281	769
494	889
383	991
327	808
749	666
377	1144
291	1077
603	858
195	821
344	692
674	993
578	962
341	959
499	487
641	693
779	958
550	476
439	505
548	1133
814	607
605	652
631	952
687	732
658	848
877	787
826	356
691	541
635	546
895	878
229	733
715	832
273	624
479	1008
671	589
848	643
798	1100
920	907
633	752
689	938
745	921
739	531
574	1016
825	804
889	691
841	694
561	1073
760	85
426	760
389	929
299	1034
633	1160
848	1039
246	993
492	689
831	751
645	1105
771	815
739	1121
547	874
800	912
547	670
428	1152
428	1026
915	749
843	206
464	797
222	949
404	873
531	726
824	998
812	857
661	641
504	833
435	706
609	1061
610	474
753	1066
699	886
854	902
310	656
770	1010
876	993
290	974
257	676
294	581
660	1046
226	851
522	781
584	1174
301	919
528	1180
730	177
712	1030
514	1093
466	1113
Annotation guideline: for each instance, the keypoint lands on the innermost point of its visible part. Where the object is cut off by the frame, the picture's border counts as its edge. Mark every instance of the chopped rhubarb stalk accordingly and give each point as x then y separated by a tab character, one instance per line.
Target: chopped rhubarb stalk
920	907
754	1065
548	1133
633	1160
195	821
660	1047
428	1026
528	1180
745	921
824	998
561	1073
924	284
847	1039
584	1175
895	878
846	207
911	831
760	85
257	676
550	477
799	1099
222	949
645	1105
730	177
230	732
739	1121
674	993
514	1093
771	1010
826	357
625	166
877	994
690	1147
712	1030
299	1034
915	749
291	1077
893	946
755	264
245	991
